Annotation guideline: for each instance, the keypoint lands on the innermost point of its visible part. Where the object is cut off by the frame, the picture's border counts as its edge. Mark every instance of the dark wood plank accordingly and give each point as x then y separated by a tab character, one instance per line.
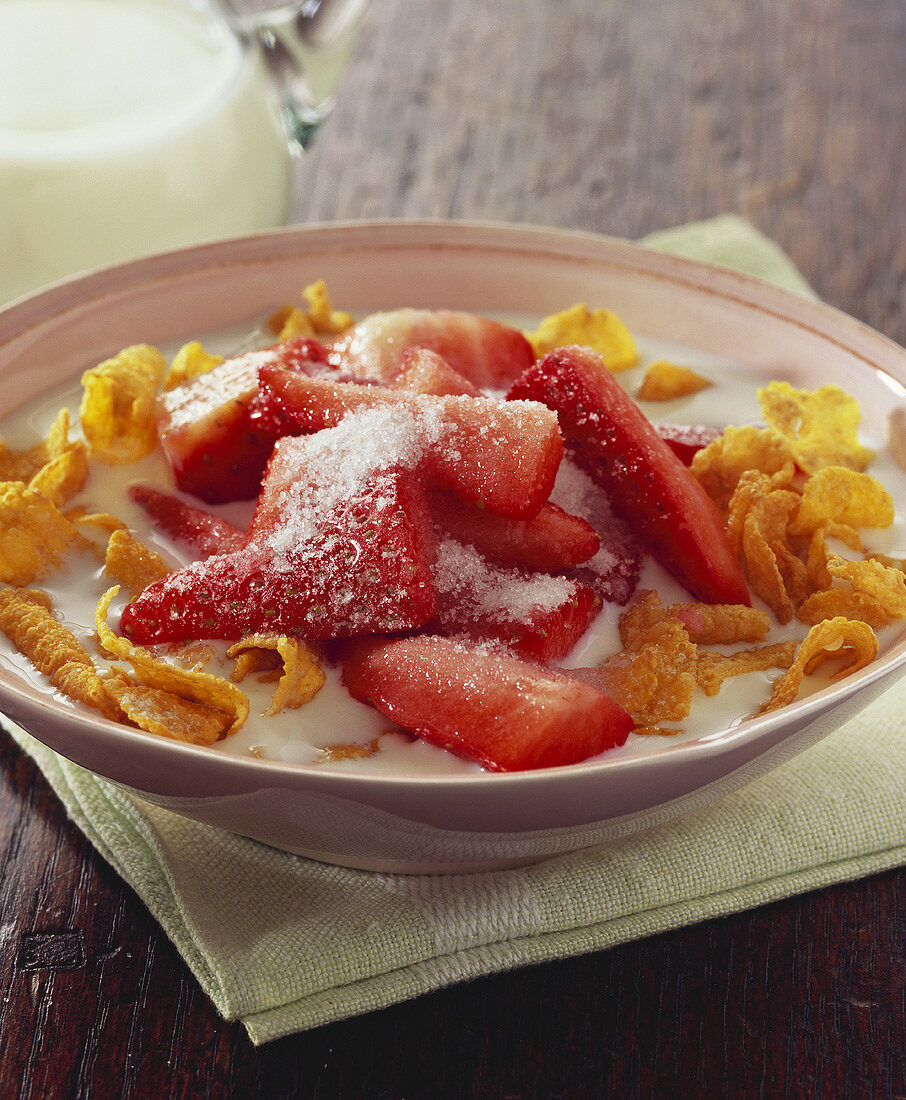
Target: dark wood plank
597	115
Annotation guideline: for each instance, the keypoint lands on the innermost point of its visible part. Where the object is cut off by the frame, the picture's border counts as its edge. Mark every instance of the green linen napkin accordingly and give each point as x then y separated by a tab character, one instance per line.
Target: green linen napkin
284	943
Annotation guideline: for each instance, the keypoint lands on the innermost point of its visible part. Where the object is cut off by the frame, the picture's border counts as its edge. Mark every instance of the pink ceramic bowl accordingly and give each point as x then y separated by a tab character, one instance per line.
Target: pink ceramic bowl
476	821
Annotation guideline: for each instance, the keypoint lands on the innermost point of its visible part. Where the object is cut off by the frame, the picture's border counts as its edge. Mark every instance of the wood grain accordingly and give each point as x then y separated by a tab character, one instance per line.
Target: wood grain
588	114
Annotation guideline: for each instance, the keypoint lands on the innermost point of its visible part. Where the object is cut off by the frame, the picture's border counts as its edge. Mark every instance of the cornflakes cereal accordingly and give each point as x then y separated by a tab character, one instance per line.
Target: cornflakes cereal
654	677
26	619
872	592
599	329
23	465
665	381
332	753
131	563
713	668
839	495
62	477
775	573
721	623
721	464
163	713
854	644
217	694
118	406
34	534
821	426
302	677
189	362
320	320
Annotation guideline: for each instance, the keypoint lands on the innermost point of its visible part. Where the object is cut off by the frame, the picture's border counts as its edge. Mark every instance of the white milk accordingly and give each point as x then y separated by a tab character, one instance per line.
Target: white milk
128	127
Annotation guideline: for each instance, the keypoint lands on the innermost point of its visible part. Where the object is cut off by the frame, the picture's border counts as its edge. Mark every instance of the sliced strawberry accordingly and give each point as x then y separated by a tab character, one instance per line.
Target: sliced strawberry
214	450
685	439
645	481
206	533
502	455
536	616
506	714
489	354
613	572
338	546
424	371
549	543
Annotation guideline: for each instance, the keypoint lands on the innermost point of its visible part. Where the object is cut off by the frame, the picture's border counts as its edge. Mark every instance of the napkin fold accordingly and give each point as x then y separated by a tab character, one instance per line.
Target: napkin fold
284	943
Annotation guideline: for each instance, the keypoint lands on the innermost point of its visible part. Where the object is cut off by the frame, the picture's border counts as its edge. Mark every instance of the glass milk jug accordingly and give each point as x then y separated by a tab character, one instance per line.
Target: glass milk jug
133	126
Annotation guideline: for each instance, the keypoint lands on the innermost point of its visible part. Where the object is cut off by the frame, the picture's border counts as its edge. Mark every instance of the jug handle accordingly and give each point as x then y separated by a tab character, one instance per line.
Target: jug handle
305	46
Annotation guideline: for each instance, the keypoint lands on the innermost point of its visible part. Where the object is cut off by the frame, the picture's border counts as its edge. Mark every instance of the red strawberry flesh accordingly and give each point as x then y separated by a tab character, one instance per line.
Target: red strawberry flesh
503	713
424	371
340	544
487	353
686	439
647	484
549	543
202	531
502	455
534	615
214	450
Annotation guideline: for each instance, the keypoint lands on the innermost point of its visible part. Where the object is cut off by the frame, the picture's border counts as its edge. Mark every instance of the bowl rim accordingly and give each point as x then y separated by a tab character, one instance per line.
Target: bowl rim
41	307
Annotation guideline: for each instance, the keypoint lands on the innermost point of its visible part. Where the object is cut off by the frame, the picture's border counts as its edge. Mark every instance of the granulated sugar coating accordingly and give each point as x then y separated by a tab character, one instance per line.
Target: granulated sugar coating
484	590
614	570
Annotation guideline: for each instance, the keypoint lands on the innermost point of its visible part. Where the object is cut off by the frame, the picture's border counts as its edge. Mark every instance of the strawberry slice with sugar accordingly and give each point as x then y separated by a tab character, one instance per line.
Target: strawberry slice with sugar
647	484
613	571
549	543
503	713
202	531
534	615
424	371
214	450
340	544
685	439
500	454
489	354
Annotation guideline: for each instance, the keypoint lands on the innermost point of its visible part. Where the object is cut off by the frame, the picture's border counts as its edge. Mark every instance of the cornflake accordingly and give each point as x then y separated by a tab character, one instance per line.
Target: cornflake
220	696
301	679
599	329
665	381
821	426
118	409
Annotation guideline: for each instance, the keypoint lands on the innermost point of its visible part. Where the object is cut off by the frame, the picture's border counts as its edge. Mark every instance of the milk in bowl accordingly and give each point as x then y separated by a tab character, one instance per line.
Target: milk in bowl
128	127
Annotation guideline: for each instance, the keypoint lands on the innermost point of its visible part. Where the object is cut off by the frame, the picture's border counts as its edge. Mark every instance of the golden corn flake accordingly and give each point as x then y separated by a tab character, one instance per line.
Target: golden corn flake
320	320
721	623
163	713
334	753
721	464
665	381
217	694
870	591
325	319
23	465
302	677
838	495
62	477
849	642
821	425
34	534
189	362
774	572
131	563
654	677
599	329
713	668
118	405
26	619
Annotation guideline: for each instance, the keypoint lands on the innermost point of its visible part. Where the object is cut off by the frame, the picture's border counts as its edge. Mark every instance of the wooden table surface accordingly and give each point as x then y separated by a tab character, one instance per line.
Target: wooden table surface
601	115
